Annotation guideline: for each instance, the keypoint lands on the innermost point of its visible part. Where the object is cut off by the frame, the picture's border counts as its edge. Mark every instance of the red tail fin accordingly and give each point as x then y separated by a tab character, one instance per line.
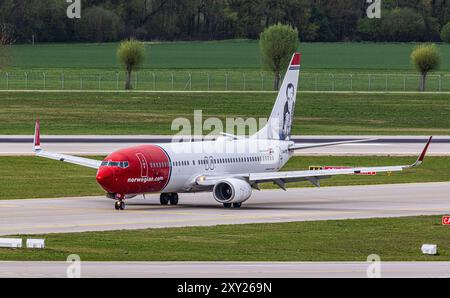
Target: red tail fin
37	136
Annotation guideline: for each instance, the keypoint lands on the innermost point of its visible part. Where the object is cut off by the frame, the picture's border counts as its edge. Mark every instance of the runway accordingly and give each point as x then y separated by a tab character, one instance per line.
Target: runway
102	145
39	216
224	270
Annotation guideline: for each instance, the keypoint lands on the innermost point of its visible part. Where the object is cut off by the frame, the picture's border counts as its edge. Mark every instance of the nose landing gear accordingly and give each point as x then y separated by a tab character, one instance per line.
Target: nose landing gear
120	204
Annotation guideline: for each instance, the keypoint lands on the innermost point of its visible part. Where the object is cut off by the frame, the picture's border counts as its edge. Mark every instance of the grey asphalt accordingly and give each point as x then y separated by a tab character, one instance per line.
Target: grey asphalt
102	145
38	216
225	269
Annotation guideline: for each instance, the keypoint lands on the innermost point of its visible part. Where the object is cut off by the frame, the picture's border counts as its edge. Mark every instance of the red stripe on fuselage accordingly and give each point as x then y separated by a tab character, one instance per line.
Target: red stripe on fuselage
149	170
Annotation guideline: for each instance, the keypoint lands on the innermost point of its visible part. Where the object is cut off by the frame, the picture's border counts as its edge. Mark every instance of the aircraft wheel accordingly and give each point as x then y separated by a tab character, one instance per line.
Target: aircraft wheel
122	205
227	205
119	205
164	199
173	199
237	205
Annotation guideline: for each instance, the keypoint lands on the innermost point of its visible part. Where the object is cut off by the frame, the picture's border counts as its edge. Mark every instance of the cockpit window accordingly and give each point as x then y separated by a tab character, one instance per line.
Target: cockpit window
120	164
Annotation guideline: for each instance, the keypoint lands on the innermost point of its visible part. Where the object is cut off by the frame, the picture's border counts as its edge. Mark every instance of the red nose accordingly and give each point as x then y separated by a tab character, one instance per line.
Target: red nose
105	177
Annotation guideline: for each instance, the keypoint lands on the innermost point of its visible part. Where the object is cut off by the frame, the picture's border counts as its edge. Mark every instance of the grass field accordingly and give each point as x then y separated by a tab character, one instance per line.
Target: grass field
144	113
23	177
395	239
231	54
218	65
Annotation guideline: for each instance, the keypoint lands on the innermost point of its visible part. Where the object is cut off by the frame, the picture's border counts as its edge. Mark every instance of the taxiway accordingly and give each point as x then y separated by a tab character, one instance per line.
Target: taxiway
39	216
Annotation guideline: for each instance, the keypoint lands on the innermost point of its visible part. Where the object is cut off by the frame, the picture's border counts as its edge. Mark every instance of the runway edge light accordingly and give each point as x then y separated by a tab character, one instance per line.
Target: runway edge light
429	249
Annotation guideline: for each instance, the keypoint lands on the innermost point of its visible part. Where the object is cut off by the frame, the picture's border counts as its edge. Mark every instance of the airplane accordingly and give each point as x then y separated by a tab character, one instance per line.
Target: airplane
230	166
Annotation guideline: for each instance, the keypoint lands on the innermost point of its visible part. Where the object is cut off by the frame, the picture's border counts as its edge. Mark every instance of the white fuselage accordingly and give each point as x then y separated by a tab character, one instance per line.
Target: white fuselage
223	157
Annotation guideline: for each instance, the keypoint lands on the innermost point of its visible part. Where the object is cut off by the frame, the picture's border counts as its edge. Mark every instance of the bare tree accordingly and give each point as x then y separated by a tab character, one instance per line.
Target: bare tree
6	39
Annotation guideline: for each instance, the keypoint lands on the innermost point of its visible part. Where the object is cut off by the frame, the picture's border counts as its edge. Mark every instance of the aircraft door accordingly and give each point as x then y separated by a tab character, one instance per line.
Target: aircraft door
279	154
144	165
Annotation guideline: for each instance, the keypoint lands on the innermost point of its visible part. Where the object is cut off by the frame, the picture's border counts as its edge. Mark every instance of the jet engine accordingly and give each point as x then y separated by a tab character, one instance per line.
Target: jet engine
232	190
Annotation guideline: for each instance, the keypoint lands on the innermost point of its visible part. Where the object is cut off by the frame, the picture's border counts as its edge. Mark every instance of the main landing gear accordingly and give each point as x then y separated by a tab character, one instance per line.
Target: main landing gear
234	205
166	198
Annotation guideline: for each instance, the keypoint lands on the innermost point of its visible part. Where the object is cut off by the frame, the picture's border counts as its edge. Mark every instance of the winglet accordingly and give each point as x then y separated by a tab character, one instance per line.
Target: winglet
422	156
37	136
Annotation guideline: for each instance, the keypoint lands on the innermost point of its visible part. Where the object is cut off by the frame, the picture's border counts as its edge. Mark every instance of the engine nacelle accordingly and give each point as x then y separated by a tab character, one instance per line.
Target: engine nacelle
232	191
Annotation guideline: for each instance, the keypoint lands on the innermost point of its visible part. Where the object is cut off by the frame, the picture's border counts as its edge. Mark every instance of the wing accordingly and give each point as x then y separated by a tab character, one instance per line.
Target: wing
281	178
86	162
300	147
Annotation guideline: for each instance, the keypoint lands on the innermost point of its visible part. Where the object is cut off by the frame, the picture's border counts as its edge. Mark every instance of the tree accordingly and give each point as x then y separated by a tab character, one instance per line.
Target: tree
131	54
343	16
425	58
370	29
403	24
6	39
278	43
100	25
445	33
